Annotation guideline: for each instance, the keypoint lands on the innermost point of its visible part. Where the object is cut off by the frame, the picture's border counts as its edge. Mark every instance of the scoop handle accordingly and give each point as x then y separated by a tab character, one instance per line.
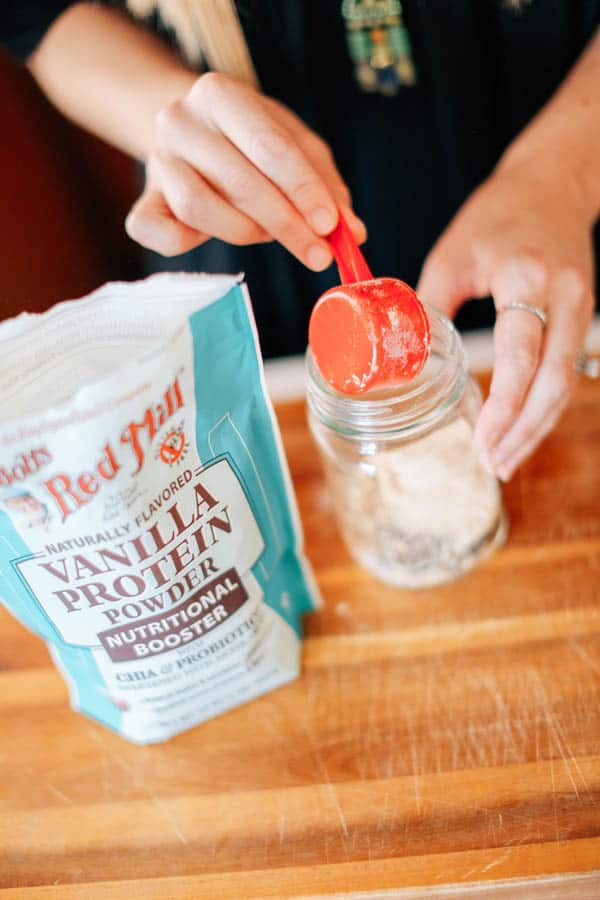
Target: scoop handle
351	264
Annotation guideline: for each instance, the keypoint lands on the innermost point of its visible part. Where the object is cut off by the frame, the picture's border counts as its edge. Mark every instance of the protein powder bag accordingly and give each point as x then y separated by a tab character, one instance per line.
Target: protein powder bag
148	530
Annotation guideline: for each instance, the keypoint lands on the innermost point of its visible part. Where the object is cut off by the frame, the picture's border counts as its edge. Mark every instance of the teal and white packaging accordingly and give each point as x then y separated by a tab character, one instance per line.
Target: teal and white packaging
148	528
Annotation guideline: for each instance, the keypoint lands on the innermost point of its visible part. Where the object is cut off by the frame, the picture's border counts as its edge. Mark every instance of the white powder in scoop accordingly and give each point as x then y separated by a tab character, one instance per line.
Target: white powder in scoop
400	340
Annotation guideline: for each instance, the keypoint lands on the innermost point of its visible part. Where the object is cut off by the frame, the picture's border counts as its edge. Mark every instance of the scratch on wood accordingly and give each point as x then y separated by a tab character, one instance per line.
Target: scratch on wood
324	774
491	865
58	793
554	805
167	813
282	824
334	798
585	656
416	776
134	776
555	741
107	779
566	753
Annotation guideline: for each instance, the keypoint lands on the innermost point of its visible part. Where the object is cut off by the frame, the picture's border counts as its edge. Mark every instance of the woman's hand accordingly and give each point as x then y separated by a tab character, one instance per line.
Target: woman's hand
230	163
523	236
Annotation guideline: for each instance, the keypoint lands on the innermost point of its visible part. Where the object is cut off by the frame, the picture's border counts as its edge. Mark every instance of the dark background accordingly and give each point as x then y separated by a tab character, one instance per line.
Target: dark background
54	246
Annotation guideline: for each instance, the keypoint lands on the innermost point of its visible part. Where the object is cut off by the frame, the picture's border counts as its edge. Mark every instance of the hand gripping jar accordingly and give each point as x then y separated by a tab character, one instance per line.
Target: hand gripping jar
415	506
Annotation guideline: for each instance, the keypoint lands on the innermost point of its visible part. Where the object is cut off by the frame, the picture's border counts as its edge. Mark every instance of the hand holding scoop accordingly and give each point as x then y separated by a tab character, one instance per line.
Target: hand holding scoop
368	332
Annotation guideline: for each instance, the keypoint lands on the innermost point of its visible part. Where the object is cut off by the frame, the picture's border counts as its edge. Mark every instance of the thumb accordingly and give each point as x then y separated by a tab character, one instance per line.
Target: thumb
152	224
447	278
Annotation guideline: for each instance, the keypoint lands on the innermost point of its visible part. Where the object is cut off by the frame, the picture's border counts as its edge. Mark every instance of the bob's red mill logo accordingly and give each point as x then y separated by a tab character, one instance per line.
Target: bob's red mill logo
71	492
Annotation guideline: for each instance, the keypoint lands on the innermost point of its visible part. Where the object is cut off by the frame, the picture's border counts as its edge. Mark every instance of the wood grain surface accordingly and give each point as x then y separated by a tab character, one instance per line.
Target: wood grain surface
445	739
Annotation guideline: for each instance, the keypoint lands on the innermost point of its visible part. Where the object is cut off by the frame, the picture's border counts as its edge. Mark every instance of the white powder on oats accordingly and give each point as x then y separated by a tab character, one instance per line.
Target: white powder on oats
438	486
422	512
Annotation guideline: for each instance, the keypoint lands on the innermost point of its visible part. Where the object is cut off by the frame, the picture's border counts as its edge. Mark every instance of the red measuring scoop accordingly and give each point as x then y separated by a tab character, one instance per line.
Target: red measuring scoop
368	332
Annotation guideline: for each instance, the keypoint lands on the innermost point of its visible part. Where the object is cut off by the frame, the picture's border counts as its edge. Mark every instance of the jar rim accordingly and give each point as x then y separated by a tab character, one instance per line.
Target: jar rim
410	409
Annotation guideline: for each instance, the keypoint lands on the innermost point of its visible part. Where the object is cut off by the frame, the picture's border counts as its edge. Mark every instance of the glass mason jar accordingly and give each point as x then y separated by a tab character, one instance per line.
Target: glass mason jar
415	506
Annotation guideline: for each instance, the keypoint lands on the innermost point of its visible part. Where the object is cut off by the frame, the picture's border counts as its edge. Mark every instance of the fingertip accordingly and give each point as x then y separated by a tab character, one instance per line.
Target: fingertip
359	230
323	220
165	236
433	297
489	431
356	225
445	282
484	460
138	227
129	225
318	257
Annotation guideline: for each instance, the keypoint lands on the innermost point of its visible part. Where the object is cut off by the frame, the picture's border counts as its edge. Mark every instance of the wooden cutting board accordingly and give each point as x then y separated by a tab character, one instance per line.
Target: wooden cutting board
436	737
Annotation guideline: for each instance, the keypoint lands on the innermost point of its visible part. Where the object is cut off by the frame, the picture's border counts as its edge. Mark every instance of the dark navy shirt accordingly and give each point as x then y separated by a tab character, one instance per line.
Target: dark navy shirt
484	69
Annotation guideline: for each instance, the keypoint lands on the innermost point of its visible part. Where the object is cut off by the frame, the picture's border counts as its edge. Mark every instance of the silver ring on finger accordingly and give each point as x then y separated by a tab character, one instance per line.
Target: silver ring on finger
528	308
587	365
